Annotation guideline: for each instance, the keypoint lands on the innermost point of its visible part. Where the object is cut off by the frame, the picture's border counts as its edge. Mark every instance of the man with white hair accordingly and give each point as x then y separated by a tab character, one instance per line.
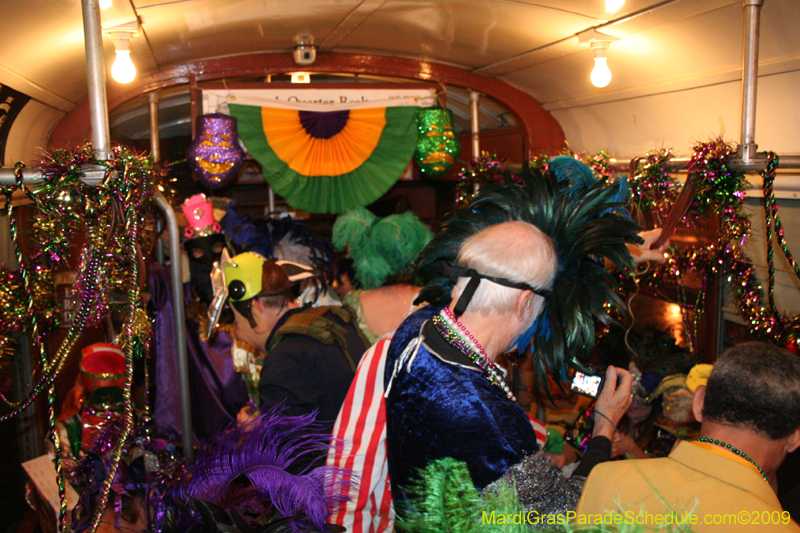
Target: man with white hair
538	280
446	396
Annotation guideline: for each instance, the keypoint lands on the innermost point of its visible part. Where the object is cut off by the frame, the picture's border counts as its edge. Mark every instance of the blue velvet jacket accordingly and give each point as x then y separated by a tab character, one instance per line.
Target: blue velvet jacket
439	404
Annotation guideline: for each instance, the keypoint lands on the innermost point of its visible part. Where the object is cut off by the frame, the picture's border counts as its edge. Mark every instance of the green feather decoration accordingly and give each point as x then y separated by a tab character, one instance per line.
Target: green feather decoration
351	228
585	230
400	238
447	501
379	247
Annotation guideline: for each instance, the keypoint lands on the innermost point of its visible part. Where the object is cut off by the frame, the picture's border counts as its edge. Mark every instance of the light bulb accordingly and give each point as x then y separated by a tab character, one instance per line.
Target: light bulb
612	6
105	4
123	69
601	75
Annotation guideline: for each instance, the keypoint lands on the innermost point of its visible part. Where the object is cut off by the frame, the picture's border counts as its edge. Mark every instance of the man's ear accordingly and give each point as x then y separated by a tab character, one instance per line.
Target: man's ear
524	306
698	400
794	441
257	310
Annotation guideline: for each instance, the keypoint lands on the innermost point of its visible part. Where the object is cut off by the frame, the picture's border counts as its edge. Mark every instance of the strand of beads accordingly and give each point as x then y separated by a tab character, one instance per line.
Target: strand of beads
457	335
737	452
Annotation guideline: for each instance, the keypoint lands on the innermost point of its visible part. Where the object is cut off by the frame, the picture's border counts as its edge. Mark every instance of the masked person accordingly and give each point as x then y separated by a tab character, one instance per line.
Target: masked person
204	244
310	354
217	391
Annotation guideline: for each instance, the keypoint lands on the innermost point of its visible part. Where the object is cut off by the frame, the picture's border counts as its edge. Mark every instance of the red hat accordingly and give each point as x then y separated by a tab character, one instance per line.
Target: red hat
102	365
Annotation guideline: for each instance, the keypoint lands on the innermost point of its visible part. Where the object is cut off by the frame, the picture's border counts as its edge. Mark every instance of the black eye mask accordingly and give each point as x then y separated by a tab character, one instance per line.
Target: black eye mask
203	252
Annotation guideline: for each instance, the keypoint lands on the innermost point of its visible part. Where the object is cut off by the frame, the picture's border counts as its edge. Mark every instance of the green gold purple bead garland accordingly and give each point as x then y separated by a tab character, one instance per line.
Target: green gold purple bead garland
63	206
458	336
738	452
653	187
720	194
36	344
109	260
480	171
128	340
768	176
772	219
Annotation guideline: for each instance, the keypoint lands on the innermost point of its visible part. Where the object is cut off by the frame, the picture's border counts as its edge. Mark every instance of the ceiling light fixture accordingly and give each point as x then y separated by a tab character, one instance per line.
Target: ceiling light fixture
599	42
301	77
601	74
123	69
612	6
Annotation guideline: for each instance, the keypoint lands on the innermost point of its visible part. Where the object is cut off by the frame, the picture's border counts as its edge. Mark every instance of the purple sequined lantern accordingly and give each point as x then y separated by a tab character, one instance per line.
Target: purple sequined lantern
215	155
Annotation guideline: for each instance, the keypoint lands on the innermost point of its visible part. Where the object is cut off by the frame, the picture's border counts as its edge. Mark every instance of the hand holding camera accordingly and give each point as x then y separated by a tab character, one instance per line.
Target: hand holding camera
613	402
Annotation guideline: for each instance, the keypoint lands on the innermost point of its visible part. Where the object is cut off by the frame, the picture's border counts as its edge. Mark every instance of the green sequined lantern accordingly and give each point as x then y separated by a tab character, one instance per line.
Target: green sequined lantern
437	147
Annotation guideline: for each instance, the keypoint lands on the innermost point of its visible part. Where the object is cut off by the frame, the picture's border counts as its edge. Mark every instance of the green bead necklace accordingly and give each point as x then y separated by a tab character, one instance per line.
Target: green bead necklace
737	452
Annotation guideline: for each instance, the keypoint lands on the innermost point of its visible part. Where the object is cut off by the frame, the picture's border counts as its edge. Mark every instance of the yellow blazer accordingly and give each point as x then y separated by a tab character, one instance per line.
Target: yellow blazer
703	489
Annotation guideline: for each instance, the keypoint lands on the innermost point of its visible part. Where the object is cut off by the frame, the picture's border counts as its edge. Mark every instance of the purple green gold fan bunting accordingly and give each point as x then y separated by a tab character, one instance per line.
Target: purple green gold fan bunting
329	162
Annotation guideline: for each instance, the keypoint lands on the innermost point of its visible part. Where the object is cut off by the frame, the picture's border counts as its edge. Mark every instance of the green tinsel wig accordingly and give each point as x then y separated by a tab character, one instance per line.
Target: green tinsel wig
585	228
379	247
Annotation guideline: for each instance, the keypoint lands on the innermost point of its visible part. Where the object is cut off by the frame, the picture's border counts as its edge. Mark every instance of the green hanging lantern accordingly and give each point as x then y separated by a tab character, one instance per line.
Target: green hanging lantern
437	145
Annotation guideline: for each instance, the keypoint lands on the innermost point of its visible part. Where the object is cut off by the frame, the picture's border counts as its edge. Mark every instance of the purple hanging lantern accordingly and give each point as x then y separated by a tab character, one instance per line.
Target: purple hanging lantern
215	155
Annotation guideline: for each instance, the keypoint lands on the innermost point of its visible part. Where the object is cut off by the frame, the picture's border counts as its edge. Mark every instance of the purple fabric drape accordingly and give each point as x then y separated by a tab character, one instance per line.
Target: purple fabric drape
217	391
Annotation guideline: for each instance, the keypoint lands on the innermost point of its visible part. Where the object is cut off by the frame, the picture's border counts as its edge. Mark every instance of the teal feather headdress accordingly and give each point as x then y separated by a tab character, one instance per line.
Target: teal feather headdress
379	247
584	228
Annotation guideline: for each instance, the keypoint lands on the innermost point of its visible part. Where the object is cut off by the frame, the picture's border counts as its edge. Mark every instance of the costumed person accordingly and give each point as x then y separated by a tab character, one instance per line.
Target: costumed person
217	391
247	479
94	404
653	358
644	430
527	266
344	277
382	250
310	354
286	239
359	444
750	419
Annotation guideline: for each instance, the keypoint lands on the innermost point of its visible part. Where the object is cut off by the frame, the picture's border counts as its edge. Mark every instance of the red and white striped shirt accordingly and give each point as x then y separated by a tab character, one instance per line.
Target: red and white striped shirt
360	445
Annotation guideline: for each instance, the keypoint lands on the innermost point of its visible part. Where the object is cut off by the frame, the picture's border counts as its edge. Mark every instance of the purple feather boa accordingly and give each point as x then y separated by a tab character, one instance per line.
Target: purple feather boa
255	469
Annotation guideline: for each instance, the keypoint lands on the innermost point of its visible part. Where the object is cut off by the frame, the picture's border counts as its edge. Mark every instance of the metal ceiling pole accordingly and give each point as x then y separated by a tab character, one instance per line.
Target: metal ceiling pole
155	142
155	139
752	12
474	99
101	140
178	313
96	77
